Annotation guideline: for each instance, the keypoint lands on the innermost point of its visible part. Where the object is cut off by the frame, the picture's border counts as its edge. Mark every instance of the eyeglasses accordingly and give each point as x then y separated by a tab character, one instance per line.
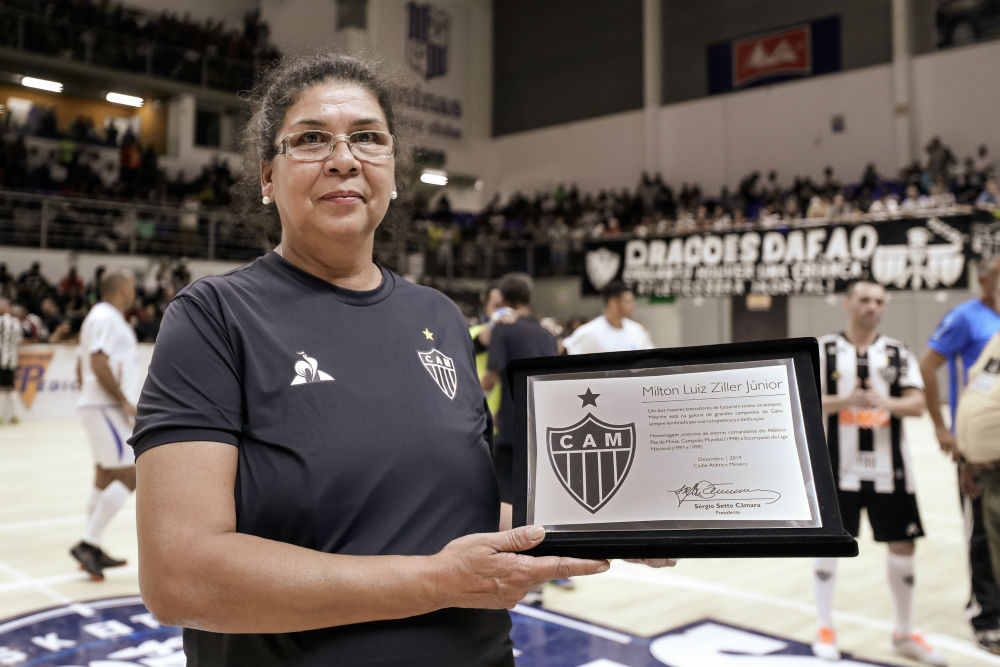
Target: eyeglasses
316	145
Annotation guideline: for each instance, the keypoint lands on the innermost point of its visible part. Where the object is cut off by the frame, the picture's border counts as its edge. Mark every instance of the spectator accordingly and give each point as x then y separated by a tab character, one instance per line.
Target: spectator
32	287
148	324
989	199
961	335
70	286
914	201
978	435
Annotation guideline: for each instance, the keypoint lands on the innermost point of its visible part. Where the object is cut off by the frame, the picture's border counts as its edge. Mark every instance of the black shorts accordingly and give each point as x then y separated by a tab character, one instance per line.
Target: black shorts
893	516
6	378
503	465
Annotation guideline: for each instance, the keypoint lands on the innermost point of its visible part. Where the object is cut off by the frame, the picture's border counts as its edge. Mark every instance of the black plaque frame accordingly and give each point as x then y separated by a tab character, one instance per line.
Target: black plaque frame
830	539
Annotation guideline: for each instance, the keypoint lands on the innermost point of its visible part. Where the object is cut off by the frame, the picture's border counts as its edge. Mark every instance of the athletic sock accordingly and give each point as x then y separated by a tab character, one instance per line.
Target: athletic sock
824	576
95	495
108	504
15	405
900	570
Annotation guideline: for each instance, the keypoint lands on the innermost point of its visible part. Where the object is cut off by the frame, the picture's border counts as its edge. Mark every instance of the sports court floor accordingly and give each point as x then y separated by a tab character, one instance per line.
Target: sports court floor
730	612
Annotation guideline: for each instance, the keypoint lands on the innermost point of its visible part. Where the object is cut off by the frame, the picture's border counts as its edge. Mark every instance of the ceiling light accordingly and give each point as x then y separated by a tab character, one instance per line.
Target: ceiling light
128	100
433	177
41	84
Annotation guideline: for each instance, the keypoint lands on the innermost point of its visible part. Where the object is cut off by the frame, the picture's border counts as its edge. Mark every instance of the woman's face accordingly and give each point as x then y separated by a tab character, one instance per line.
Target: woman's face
340	198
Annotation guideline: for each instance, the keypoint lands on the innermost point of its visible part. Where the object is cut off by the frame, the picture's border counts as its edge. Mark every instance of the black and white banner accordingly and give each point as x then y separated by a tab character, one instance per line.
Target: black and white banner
907	254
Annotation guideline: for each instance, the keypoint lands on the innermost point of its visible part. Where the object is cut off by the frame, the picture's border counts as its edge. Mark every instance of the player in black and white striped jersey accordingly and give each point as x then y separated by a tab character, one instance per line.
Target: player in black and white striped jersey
11	336
869	383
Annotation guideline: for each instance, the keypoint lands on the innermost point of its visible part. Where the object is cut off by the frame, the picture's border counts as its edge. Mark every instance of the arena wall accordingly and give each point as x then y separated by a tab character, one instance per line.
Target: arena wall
716	141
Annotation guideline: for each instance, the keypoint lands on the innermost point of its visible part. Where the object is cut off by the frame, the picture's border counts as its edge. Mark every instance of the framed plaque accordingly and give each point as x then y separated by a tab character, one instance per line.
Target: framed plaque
708	451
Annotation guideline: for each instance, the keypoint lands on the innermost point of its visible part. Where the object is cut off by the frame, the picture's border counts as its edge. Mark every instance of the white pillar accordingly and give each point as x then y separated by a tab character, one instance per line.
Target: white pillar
180	125
652	67
905	148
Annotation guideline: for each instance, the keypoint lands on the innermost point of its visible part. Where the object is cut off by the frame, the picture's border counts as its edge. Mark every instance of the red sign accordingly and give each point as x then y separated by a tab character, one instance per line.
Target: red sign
779	53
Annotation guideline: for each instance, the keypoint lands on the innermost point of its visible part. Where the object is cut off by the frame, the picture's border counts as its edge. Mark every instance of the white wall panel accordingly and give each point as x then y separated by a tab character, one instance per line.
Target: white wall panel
595	154
956	96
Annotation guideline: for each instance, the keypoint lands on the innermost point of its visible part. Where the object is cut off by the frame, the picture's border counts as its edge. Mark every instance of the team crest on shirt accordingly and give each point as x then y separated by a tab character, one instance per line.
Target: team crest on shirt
442	370
889	373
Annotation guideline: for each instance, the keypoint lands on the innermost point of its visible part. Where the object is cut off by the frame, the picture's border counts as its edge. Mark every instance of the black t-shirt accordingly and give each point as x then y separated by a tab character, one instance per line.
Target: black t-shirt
361	429
522	339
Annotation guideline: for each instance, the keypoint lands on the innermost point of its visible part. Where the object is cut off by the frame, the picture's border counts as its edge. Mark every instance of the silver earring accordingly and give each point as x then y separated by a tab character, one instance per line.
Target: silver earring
265	200
394	195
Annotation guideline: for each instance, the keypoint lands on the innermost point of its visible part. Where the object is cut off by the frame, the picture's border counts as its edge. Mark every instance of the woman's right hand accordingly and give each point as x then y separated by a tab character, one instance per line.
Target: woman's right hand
485	570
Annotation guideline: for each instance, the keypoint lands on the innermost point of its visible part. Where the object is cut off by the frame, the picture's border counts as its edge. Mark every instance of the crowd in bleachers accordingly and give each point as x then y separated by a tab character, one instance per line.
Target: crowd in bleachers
564	219
74	164
111	34
51	311
655	208
560	221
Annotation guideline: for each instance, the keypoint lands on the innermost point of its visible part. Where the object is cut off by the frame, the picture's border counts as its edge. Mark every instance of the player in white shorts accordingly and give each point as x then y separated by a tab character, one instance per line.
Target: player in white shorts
108	372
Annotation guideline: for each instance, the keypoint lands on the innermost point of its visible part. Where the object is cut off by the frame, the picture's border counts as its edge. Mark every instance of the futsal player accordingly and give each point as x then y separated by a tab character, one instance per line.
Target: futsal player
11	336
613	331
108	371
869	382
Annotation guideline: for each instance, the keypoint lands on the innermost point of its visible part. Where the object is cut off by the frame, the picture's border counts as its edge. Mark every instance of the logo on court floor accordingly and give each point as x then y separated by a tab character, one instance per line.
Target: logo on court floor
118	631
591	459
442	369
307	370
121	632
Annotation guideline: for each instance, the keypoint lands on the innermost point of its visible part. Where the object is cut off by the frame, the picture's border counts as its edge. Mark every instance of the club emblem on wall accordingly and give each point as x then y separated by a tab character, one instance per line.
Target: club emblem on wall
428	31
602	267
921	264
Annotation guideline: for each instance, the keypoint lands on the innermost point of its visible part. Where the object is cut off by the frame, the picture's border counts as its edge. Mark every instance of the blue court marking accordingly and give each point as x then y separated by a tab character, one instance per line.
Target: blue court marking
122	632
118	441
543	638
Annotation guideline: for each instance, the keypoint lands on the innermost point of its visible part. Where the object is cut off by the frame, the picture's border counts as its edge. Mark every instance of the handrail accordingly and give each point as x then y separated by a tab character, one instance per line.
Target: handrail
37	220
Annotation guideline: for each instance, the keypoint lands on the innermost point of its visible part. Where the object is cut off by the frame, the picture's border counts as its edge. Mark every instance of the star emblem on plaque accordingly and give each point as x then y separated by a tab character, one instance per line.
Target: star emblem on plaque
591	458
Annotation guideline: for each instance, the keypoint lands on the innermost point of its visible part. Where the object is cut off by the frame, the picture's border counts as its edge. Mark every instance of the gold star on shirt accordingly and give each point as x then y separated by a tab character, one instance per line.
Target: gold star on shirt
428	334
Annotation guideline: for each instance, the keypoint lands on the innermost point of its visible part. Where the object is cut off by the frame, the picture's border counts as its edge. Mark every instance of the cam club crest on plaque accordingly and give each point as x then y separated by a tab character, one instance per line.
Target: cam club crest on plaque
591	458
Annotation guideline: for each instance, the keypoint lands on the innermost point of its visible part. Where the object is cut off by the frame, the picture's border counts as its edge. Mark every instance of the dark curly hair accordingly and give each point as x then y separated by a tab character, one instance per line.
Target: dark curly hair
278	88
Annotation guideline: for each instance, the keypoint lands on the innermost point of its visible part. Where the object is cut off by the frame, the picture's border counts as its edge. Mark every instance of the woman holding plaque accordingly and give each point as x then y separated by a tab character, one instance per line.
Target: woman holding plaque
313	448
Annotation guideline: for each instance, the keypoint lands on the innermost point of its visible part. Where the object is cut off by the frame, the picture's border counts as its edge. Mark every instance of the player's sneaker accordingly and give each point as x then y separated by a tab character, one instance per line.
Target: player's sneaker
107	561
15	420
915	647
565	584
988	640
89	558
825	646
